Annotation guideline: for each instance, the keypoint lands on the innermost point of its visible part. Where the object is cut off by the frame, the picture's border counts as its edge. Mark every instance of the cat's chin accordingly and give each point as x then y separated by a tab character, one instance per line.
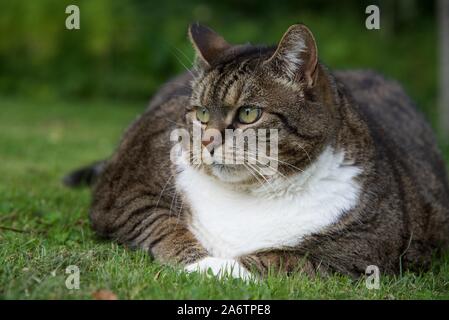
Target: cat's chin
230	174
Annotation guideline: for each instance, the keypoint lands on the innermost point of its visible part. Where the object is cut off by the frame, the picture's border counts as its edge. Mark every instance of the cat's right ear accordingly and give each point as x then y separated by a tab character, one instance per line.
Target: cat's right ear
207	43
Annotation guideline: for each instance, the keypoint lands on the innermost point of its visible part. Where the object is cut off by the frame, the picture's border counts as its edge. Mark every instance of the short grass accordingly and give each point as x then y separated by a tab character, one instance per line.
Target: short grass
44	226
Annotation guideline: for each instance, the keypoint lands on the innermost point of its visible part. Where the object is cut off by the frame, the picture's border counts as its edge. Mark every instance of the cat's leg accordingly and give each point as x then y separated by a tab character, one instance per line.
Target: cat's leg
280	262
220	267
260	264
169	241
157	230
165	236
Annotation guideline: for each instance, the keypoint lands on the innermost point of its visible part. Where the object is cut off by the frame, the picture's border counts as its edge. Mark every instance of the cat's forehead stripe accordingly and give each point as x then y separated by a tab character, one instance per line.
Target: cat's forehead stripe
222	86
233	94
227	89
205	87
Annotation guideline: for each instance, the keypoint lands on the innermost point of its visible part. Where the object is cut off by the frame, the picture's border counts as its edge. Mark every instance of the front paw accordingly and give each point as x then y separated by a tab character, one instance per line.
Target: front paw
220	268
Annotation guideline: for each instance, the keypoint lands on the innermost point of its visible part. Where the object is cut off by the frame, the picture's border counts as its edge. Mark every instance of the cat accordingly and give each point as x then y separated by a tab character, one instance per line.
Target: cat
359	181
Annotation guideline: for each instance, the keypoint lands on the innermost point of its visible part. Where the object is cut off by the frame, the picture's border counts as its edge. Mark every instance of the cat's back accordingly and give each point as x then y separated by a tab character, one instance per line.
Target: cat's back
178	86
406	152
393	119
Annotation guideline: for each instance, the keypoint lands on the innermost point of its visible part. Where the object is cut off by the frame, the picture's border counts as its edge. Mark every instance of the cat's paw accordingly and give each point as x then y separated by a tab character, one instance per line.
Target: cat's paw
220	267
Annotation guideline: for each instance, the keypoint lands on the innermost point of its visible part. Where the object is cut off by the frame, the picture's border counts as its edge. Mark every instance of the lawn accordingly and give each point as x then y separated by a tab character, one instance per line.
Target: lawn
44	226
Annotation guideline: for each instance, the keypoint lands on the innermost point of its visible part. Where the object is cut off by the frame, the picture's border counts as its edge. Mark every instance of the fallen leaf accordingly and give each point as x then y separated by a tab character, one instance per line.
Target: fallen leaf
104	295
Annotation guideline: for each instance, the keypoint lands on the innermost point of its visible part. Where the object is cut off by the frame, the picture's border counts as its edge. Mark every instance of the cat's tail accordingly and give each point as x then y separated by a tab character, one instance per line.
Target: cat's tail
85	176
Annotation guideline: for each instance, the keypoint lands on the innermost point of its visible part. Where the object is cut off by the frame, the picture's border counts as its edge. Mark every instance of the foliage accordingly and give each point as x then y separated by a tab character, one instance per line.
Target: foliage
125	49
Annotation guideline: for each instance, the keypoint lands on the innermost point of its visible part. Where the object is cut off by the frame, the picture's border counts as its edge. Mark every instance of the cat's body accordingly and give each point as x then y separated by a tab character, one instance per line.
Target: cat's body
365	186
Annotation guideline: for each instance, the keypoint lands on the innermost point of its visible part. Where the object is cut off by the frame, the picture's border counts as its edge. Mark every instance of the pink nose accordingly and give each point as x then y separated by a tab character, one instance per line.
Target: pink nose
206	143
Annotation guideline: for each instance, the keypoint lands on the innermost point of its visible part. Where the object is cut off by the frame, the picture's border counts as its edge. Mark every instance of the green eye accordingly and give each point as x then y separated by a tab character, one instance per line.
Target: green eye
249	114
202	114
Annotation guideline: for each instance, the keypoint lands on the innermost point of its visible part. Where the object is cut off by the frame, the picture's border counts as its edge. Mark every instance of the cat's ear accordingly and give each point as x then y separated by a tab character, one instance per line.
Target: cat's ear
296	57
207	43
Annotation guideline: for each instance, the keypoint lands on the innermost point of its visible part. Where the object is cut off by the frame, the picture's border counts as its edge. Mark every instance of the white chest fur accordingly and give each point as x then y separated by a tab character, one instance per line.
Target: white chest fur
229	223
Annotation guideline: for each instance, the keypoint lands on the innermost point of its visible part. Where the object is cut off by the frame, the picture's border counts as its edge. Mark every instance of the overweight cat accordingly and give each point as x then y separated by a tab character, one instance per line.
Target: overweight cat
359	179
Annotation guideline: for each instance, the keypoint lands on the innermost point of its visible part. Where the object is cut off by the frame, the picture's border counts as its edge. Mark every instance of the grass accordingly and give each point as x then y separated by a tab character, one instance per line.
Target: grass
44	226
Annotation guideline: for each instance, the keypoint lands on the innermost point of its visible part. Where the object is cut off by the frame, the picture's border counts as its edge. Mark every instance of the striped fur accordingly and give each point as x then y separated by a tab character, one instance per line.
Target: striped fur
400	217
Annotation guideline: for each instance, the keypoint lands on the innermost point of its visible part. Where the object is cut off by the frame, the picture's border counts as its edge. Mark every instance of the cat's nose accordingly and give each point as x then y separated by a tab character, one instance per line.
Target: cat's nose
210	145
207	142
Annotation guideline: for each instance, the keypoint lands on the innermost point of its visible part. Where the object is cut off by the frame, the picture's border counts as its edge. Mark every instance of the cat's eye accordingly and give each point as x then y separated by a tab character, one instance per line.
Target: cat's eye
202	114
249	114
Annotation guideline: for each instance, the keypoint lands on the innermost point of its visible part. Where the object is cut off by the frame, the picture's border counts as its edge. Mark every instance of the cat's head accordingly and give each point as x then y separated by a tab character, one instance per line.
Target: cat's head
244	88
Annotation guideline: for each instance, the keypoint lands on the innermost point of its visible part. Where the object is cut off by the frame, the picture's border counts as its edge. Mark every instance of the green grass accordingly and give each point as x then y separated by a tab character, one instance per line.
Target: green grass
39	142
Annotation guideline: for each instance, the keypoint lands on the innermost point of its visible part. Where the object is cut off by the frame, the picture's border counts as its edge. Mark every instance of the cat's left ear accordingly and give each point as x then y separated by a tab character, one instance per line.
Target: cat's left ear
296	57
207	43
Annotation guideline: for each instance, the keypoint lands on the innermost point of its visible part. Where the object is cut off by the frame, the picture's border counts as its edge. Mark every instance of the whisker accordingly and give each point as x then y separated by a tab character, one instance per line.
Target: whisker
308	156
280	161
177	123
163	189
248	168
185	67
263	177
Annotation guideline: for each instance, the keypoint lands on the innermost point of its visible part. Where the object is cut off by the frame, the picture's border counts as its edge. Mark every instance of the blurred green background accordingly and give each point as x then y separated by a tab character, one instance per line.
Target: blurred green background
125	49
66	96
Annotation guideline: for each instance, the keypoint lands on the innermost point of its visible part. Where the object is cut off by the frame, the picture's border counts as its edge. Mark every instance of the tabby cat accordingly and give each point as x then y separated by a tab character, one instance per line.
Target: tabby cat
359	179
